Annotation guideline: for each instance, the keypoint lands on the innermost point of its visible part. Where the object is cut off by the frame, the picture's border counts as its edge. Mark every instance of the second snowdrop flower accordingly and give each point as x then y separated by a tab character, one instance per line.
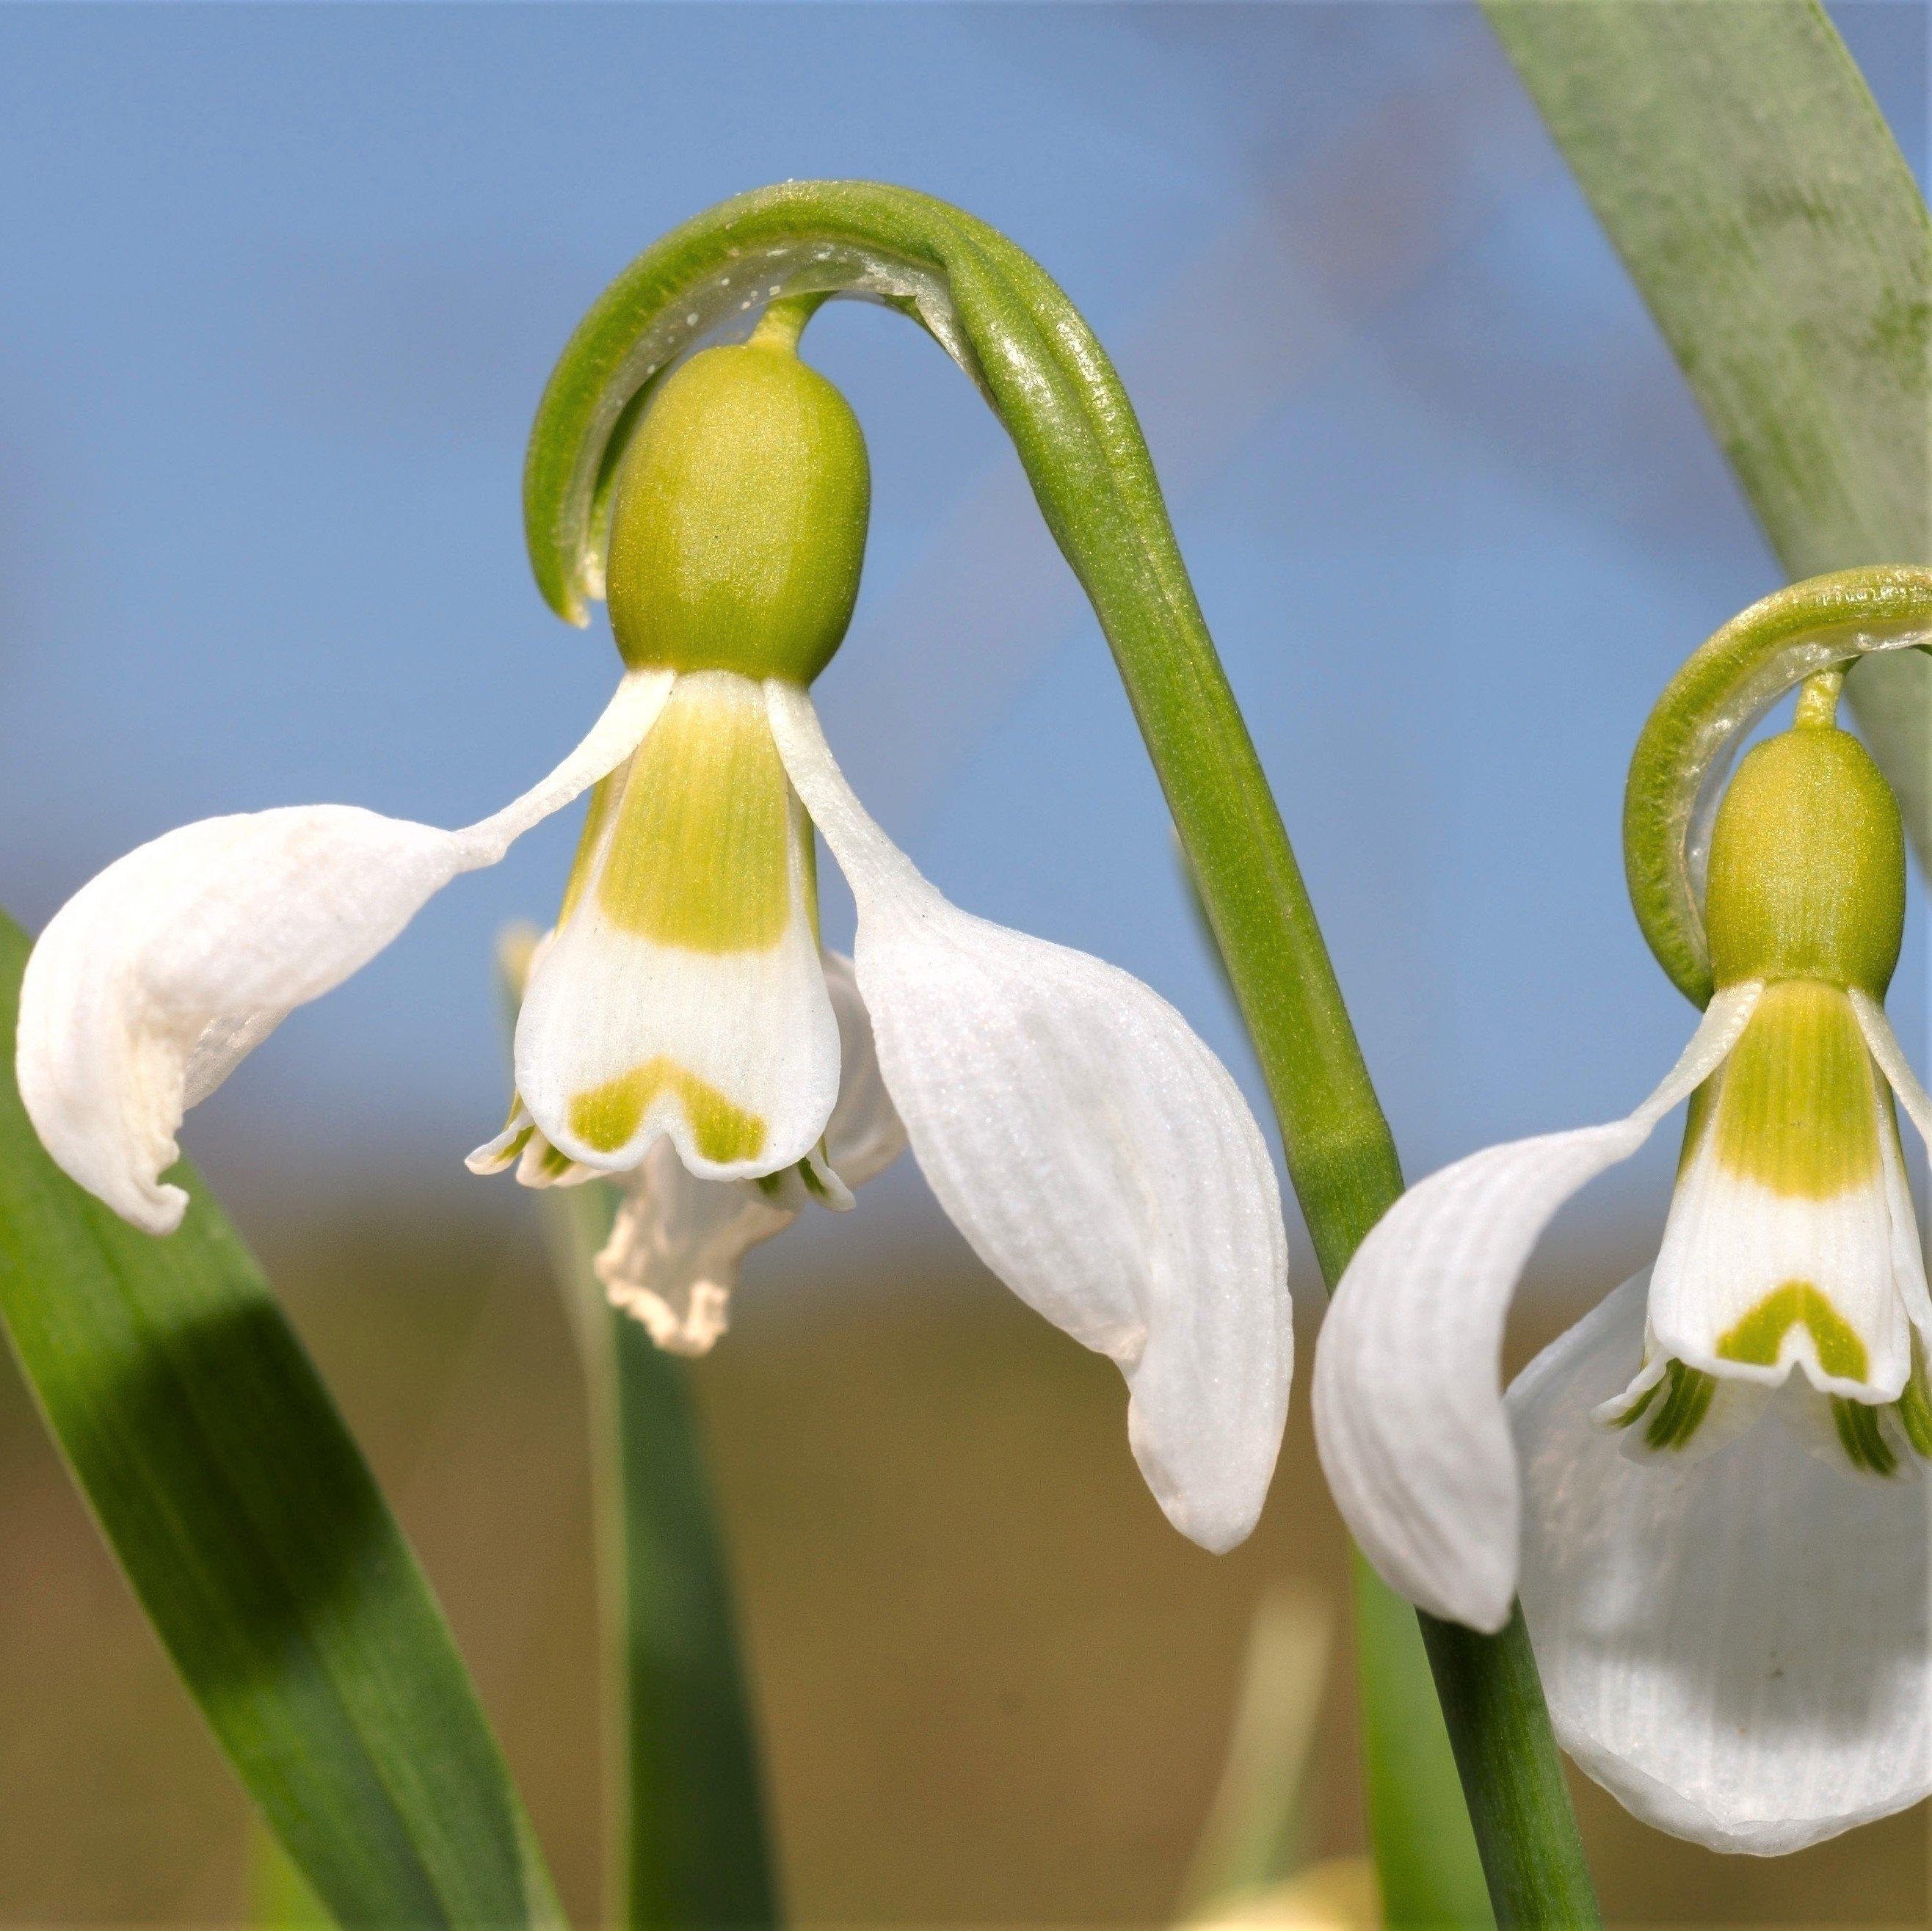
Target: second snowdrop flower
1723	1547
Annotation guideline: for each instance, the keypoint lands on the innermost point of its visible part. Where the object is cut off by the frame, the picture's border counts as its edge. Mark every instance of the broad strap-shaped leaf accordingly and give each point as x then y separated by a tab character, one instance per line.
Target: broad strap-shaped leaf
258	1544
1733	150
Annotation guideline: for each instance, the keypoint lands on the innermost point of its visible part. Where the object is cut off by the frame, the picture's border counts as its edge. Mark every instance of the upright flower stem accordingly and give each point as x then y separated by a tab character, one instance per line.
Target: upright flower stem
999	315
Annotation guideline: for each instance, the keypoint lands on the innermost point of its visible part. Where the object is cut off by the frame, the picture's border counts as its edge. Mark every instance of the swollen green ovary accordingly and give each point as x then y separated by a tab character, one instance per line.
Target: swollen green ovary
700	854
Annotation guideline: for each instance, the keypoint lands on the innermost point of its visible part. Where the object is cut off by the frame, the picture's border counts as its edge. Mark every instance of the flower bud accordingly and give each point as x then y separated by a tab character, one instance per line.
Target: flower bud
738	525
1807	866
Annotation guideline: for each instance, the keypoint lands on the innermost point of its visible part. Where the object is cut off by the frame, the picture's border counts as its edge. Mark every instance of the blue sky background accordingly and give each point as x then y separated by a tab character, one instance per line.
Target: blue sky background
284	285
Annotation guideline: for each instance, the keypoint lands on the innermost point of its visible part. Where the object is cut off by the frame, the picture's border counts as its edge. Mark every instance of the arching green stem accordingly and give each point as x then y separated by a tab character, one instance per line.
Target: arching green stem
1000	317
1678	768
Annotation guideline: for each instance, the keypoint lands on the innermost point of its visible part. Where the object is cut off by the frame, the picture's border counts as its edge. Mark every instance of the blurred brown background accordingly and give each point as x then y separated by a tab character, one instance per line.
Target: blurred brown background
995	1687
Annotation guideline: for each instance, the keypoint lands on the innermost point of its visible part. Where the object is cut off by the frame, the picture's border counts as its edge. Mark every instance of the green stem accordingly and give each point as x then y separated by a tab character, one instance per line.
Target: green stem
1824	623
688	1840
1004	320
1492	1703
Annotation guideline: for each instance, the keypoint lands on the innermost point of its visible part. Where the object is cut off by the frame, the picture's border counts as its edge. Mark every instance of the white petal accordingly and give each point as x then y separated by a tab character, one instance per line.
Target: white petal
673	1256
1779	1252
1408	1414
641	1018
1892	1062
152	982
672	1260
1733	1407
1096	1155
865	1135
1731	1245
1738	1648
1909	1254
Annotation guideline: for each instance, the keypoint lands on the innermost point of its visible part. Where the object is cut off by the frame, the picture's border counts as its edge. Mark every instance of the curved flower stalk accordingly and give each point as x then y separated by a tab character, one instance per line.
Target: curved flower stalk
682	1023
1707	1492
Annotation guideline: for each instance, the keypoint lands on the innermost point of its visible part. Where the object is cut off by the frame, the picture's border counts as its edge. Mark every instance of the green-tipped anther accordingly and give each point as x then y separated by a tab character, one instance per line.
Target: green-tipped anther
738	520
1807	865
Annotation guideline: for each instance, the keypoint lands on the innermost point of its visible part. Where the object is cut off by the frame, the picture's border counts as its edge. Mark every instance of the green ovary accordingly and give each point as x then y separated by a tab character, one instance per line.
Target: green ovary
608	1116
700	854
1797	1109
1757	1339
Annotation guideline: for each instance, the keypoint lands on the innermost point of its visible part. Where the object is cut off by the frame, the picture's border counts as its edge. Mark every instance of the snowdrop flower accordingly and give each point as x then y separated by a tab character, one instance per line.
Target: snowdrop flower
683	1024
1707	1492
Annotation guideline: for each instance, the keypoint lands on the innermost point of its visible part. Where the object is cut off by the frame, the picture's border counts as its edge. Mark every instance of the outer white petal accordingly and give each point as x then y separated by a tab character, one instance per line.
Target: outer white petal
673	1256
610	1010
1909	1256
153	981
1408	1413
1738	1648
1893	1063
1096	1156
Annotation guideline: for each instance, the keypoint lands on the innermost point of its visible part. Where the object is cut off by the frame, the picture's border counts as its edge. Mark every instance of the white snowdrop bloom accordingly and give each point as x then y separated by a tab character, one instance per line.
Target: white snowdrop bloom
1707	1492
683	1025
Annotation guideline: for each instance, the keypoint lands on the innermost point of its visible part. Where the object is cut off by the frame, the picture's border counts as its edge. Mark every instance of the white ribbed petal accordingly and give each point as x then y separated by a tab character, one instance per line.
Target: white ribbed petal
157	977
673	1257
1408	1413
1737	1647
625	1034
1096	1155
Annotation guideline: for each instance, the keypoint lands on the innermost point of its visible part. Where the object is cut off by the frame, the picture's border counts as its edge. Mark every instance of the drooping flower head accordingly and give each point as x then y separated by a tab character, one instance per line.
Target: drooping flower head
683	1024
1708	1490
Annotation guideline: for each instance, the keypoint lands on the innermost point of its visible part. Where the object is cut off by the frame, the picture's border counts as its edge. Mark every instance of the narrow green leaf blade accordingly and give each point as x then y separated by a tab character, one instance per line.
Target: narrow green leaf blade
251	1531
1734	153
1426	1857
692	1847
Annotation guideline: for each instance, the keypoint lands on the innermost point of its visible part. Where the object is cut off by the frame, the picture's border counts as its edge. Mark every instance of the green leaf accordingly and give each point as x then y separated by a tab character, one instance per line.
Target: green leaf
278	1899
1256	1831
690	1840
251	1531
1426	1858
1733	150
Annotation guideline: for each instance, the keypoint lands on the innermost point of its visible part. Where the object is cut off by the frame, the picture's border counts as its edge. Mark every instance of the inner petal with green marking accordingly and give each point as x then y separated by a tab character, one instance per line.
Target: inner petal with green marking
1791	1245
682	992
700	850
